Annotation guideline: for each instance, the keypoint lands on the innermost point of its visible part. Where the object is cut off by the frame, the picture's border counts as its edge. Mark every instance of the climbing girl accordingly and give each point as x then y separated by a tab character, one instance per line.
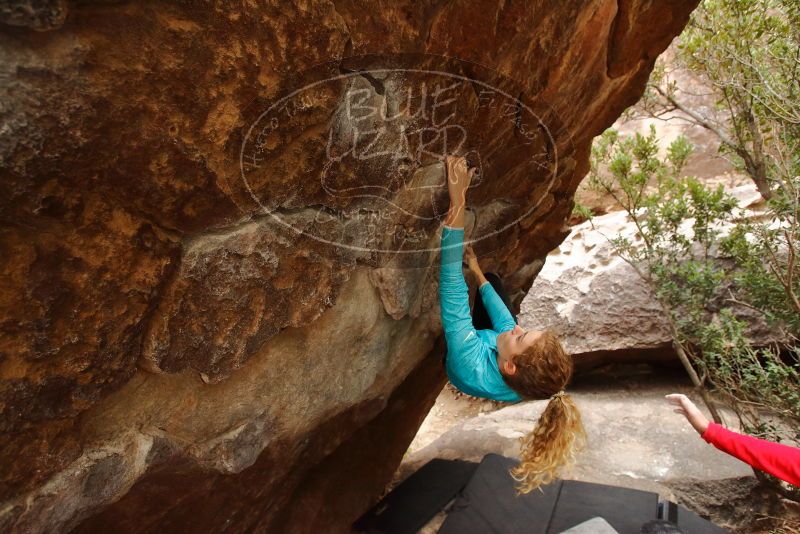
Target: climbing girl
491	356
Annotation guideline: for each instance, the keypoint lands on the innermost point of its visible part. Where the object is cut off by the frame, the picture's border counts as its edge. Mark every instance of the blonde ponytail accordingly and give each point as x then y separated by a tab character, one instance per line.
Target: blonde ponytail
559	434
552	444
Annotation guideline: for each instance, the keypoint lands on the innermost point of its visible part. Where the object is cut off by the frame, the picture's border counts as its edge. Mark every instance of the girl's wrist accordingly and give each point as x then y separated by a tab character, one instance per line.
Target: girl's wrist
457	199
701	426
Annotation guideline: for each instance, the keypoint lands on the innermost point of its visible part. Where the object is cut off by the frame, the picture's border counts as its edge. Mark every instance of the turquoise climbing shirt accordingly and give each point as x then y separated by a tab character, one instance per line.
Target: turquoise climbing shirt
471	354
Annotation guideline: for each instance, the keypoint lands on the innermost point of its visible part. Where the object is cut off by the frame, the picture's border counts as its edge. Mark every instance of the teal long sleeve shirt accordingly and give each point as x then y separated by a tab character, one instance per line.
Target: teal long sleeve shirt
471	362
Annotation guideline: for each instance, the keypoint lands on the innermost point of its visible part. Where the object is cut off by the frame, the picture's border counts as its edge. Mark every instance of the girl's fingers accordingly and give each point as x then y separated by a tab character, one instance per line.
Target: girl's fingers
675	398
454	168
451	173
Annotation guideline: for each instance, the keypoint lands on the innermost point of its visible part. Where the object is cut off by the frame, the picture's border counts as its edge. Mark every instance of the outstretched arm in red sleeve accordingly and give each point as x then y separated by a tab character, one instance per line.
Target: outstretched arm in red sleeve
778	460
781	461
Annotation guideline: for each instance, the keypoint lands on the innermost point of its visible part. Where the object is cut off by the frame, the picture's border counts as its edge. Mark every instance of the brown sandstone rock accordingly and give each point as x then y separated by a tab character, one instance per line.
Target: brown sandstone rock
173	359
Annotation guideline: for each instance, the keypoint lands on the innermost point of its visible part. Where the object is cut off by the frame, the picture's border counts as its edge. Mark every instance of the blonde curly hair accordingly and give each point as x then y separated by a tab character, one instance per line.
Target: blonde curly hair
543	371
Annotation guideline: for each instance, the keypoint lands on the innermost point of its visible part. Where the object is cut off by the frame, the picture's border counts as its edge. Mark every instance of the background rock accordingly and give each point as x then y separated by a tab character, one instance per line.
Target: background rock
600	307
170	361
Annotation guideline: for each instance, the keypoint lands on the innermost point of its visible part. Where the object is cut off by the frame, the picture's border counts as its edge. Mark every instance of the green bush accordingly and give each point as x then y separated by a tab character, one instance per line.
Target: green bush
747	52
696	272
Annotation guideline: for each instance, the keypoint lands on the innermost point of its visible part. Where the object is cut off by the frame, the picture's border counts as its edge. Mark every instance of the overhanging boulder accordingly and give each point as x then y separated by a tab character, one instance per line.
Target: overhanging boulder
172	358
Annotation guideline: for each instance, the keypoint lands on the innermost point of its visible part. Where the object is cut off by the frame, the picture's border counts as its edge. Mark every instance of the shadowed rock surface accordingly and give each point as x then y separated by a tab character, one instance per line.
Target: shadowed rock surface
173	359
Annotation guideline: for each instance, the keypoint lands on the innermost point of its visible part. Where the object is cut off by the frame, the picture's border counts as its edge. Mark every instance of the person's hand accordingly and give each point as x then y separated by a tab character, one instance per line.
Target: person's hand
458	178
686	407
471	258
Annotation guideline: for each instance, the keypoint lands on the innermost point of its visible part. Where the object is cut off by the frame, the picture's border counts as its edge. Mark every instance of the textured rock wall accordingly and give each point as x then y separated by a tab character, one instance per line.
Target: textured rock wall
170	358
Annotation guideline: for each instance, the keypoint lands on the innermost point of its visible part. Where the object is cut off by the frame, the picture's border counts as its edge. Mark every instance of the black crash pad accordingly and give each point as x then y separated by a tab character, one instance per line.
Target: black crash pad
624	509
489	504
688	520
413	503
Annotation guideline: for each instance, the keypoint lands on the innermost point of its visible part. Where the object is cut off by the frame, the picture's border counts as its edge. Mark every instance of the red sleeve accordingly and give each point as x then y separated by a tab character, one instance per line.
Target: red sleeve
779	460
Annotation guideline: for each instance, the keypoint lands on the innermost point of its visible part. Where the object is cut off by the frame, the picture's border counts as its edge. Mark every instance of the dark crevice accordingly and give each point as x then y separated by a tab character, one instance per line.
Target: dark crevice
612	39
376	83
432	15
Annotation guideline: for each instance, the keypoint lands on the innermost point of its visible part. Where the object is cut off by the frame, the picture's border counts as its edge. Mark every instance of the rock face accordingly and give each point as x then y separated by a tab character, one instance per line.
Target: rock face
601	309
591	297
210	315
